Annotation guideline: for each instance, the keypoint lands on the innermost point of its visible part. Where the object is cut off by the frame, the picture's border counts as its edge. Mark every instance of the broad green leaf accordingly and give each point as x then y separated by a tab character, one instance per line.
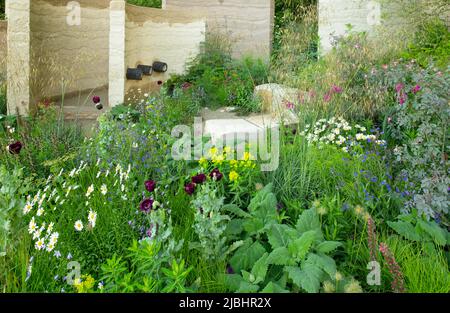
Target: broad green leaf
246	287
280	256
246	256
233	281
301	246
232	208
309	220
405	229
307	278
260	268
274	288
433	229
234	227
323	261
328	246
279	235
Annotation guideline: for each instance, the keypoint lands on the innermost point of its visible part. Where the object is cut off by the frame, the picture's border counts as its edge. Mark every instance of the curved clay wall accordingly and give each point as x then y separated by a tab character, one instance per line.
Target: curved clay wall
173	37
3	50
78	54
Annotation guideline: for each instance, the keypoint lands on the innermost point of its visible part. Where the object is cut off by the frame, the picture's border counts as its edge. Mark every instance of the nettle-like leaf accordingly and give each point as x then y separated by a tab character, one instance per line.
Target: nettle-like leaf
246	256
307	278
437	234
232	208
300	247
281	256
280	235
260	268
274	288
405	229
323	261
309	220
328	246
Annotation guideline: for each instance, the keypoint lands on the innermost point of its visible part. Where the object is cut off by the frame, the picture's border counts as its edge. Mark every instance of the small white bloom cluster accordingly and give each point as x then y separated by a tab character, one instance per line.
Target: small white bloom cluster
338	132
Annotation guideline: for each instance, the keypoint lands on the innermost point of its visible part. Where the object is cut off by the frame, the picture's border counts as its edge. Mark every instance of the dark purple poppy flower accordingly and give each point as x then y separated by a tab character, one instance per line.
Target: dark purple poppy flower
190	188
230	270
150	185
199	179
146	205
15	148
160	82
216	175
96	99
280	207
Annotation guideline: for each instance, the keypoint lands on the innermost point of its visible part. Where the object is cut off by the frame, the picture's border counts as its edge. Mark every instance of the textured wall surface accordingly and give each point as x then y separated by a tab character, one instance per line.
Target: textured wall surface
249	23
173	37
334	15
18	72
3	49
79	54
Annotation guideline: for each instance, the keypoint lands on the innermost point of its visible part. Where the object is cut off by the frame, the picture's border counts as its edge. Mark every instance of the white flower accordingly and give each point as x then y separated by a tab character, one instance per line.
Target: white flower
40	244
40	212
32	226
92	218
360	137
100	285
27	208
104	189
50	228
50	247
78	225
72	173
54	238
90	191
37	234
345	149
331	137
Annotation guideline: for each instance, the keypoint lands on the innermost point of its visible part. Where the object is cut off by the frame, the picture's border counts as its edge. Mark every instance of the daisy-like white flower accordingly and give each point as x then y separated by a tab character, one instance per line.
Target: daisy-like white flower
54	238
32	227
40	212
50	247
90	191
78	225
27	208
50	228
40	244
92	218
104	189
37	234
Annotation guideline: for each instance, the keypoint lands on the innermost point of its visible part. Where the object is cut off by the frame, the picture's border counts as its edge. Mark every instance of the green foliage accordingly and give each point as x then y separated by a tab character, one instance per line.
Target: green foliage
145	269
431	43
288	255
13	189
209	224
419	230
146	3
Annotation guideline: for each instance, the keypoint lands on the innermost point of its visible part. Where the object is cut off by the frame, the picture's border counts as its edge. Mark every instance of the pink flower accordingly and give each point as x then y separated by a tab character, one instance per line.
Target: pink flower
389	120
372	239
402	99
336	89
327	97
399	87
416	89
385	66
289	105
398	284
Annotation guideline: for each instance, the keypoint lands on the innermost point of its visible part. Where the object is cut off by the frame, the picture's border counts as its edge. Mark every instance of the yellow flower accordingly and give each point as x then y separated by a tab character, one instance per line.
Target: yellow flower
248	156
86	285
218	160
338	276
328	287
213	151
234	176
227	150
359	210
203	162
234	163
316	203
321	210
